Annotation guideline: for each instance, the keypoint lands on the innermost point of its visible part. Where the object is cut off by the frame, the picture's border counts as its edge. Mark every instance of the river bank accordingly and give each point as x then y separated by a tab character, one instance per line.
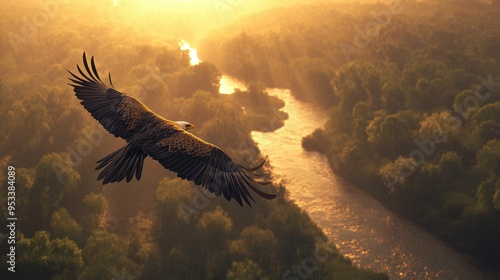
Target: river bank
363	229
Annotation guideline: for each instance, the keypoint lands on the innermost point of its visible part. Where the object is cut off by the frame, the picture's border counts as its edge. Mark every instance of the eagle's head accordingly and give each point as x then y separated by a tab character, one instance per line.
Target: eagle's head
185	125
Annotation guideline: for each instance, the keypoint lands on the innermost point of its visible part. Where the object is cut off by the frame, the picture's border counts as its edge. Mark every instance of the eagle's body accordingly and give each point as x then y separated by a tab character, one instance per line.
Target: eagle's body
168	142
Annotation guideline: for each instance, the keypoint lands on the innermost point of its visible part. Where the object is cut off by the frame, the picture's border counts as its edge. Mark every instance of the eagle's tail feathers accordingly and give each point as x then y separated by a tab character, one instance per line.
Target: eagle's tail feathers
122	164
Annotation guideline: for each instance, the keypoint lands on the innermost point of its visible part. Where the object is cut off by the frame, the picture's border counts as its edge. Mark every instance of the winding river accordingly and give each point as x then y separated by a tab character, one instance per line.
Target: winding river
363	229
360	226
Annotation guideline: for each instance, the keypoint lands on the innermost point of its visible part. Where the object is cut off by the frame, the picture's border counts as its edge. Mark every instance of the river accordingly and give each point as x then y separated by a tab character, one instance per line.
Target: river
361	227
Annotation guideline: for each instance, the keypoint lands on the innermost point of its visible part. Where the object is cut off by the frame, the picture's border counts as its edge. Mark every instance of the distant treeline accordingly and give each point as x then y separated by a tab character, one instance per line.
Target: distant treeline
413	89
69	226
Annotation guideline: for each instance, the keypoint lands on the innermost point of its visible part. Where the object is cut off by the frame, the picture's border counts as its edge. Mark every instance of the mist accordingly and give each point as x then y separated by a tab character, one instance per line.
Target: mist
378	120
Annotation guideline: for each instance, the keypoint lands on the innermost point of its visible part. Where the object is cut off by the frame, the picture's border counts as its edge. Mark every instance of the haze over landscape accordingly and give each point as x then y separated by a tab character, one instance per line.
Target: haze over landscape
380	121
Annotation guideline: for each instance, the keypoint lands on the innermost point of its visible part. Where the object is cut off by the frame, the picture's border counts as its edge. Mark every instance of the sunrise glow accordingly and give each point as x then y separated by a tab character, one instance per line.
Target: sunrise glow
193	54
353	139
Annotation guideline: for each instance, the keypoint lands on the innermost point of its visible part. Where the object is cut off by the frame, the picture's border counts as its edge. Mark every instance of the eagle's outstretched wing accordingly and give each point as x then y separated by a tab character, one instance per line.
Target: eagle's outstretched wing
118	113
148	134
205	164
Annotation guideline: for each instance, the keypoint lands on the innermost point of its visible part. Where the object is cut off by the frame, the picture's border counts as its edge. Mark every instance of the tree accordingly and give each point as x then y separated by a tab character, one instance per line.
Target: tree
24	186
63	225
488	158
7	116
315	141
461	100
488	112
55	179
496	199
439	127
395	132
225	126
203	76
362	115
105	254
485	194
356	82
294	241
486	131
94	209
257	245
395	174
214	228
450	165
43	258
245	270
390	133
37	125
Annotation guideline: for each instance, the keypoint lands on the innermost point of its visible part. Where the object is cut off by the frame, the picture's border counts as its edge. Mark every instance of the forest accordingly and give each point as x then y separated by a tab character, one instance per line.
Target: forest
413	94
70	226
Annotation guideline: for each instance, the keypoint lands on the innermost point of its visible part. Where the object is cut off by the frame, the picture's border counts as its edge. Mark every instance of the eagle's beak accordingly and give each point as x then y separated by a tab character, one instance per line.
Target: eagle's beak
192	127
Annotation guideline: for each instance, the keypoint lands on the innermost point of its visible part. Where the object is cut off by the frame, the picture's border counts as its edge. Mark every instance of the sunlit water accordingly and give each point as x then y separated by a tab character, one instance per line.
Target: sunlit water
228	85
370	235
360	226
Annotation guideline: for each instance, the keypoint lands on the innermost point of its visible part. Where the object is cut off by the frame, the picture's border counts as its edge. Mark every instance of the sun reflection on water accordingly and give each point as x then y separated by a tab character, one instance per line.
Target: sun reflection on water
193	53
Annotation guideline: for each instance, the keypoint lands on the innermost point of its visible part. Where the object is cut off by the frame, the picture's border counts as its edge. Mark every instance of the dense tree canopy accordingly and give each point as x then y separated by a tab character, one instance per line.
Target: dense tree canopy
413	96
161	227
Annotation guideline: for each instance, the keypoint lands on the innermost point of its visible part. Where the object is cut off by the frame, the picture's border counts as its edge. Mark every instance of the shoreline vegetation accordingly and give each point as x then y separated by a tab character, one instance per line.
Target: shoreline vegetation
261	110
414	102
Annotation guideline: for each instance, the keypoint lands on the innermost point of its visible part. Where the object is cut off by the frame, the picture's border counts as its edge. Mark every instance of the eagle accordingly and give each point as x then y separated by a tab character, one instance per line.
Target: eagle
168	142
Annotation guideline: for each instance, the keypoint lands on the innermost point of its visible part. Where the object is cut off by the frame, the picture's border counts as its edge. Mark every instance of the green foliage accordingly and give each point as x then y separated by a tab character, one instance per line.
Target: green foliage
488	158
104	255
63	225
119	229
203	76
395	174
230	243
217	119
25	181
173	190
355	82
245	270
94	209
261	110
496	199
389	134
412	110
214	228
55	179
450	164
315	141
439	127
257	245
45	258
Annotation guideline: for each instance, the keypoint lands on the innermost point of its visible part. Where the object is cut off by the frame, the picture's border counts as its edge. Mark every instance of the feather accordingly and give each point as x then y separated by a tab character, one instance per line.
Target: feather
148	134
